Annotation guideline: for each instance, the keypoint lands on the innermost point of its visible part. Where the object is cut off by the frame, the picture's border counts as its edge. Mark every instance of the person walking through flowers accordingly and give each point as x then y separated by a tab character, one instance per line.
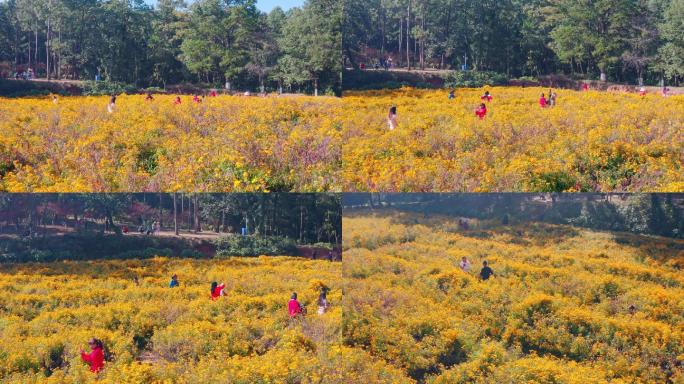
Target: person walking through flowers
481	111
323	303
95	359
112	104
464	264
486	272
392	118
217	290
486	97
294	308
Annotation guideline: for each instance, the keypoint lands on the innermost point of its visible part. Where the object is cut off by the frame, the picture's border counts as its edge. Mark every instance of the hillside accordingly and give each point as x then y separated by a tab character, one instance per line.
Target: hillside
156	334
224	143
566	305
589	142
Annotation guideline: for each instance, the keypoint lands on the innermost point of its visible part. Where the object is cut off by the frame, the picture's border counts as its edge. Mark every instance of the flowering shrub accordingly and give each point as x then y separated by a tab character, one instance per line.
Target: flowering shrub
590	141
566	305
155	334
226	143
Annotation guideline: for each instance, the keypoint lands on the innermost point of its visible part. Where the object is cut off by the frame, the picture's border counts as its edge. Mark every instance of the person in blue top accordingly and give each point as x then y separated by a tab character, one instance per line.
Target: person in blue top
174	281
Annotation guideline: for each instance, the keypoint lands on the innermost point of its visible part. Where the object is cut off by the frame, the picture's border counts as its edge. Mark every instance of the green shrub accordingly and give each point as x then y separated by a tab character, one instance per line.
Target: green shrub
236	245
474	79
99	88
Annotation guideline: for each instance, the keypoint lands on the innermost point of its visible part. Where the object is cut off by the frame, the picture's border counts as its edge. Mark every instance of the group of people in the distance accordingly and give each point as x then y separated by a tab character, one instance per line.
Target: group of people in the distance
294	307
481	110
546	100
149	97
485	273
96	358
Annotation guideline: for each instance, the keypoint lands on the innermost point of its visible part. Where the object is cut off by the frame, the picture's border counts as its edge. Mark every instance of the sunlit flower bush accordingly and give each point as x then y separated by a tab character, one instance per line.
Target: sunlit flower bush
226	143
590	141
567	305
155	334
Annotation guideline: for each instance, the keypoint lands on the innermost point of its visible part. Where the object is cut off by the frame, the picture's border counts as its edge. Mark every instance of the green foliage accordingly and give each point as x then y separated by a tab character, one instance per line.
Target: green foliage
89	246
171	42
236	245
99	88
474	79
626	40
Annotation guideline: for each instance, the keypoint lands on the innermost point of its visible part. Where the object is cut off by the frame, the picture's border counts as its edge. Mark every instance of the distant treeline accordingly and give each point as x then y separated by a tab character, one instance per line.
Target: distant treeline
656	214
304	218
214	42
615	40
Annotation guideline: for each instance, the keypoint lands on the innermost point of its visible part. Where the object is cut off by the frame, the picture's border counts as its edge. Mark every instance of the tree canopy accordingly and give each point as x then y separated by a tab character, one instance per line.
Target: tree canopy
618	40
215	42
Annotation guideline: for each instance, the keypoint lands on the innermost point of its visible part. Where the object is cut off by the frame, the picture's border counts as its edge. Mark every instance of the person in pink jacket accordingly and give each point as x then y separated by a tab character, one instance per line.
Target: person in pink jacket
95	359
293	306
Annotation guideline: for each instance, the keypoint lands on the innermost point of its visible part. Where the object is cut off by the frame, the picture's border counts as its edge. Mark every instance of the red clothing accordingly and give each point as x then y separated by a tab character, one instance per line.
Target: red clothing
213	93
486	98
178	101
481	113
95	359
542	102
585	86
294	308
216	293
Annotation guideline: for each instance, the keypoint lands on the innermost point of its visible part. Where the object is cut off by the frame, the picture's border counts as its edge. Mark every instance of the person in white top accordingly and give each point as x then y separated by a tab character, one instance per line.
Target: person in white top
392	118
464	264
112	104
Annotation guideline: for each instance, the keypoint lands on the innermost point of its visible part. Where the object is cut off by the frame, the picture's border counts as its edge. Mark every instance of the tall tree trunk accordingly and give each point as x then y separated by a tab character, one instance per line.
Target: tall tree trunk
175	215
301	222
408	36
36	51
29	50
160	209
401	39
198	224
47	48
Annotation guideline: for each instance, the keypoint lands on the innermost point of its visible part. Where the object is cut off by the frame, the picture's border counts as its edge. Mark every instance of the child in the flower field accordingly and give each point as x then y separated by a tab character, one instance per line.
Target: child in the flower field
95	359
323	303
112	104
392	118
293	306
464	264
486	97
481	111
542	101
217	290
178	100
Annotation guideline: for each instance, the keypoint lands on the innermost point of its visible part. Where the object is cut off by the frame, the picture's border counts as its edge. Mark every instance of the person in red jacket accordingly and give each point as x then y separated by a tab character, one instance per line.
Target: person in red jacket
293	306
178	100
96	357
216	290
486	97
585	87
542	101
481	111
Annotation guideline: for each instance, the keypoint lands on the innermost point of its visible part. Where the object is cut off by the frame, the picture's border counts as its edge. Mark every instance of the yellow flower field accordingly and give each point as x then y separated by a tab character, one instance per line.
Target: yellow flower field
591	141
566	305
226	143
155	334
